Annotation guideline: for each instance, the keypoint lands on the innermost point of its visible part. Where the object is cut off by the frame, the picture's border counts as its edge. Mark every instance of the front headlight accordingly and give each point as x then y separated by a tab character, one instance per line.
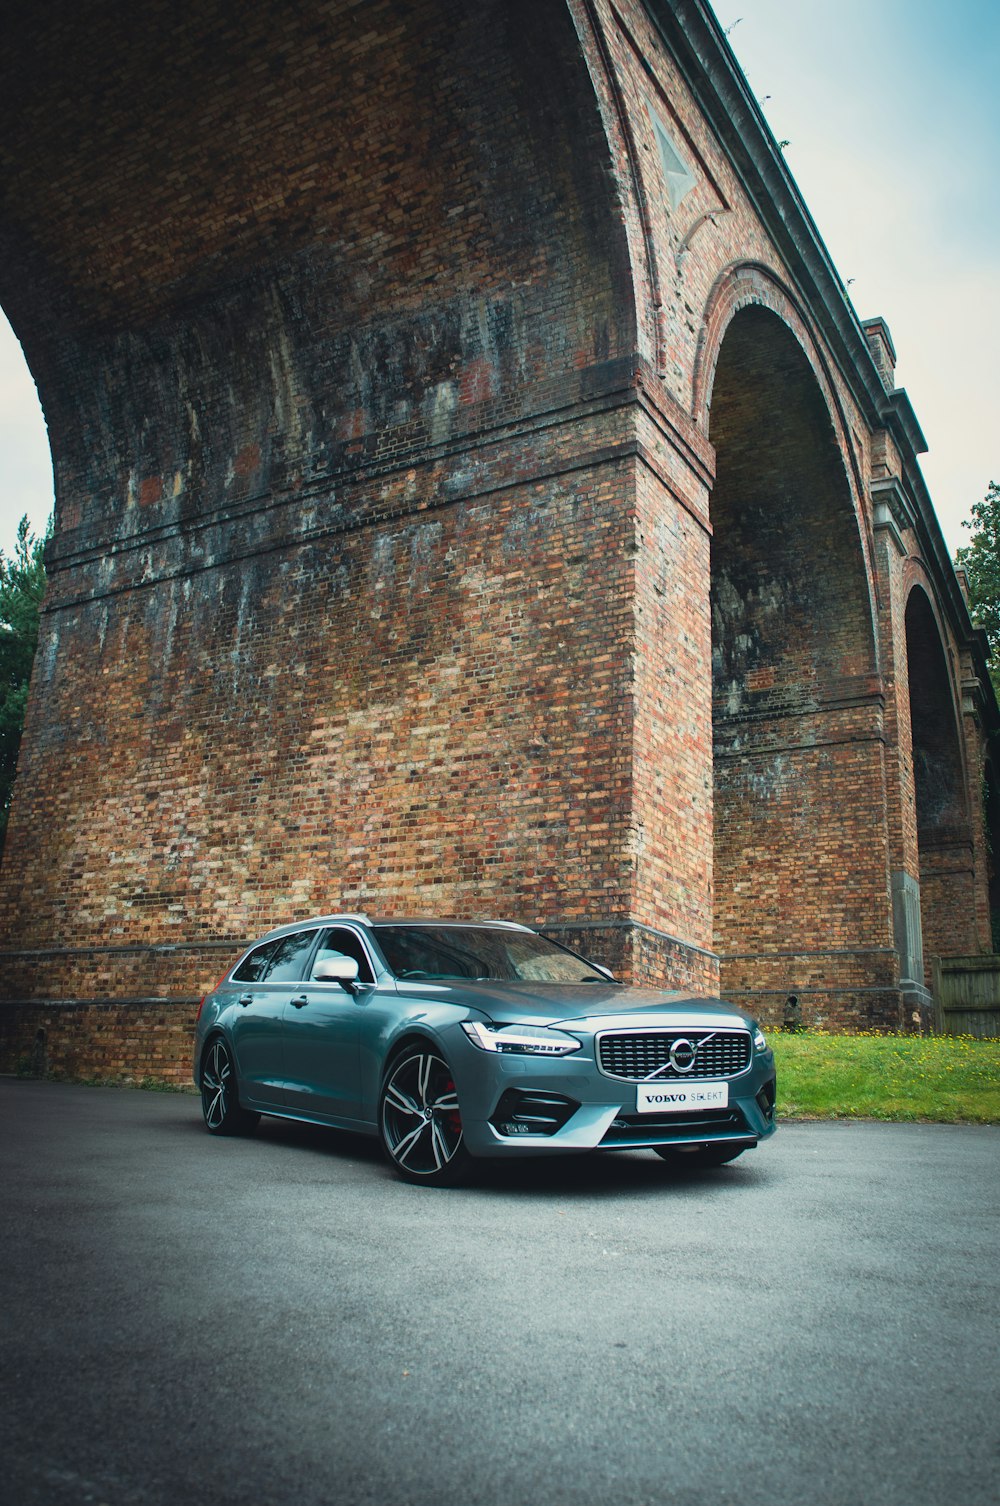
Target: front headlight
521	1040
759	1042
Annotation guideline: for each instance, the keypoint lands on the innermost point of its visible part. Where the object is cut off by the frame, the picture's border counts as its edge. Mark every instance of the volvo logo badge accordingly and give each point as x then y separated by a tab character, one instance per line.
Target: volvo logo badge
682	1055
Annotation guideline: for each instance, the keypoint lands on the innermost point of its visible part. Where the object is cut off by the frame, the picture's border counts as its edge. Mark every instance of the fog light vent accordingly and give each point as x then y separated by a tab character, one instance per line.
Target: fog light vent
522	1113
765	1099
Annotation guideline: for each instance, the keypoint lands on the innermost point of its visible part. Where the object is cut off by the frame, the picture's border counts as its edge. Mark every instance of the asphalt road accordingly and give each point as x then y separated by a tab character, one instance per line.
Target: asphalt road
277	1320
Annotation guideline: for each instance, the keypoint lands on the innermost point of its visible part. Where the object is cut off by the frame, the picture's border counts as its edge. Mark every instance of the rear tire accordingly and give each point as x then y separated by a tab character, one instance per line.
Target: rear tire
699	1157
220	1093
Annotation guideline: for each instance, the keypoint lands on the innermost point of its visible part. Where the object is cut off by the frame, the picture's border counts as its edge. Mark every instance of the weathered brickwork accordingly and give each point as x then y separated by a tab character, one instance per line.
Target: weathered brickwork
672	796
797	710
121	1041
475	495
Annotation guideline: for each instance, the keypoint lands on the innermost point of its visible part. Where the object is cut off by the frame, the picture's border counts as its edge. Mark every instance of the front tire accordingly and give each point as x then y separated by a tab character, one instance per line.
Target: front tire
699	1157
220	1094
419	1121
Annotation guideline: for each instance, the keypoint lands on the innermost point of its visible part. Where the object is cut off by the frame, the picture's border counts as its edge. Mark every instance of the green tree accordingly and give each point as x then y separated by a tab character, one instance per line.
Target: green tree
980	560
22	585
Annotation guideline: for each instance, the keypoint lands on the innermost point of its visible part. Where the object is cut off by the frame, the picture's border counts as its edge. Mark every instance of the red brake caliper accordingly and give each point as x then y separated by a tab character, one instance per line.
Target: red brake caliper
453	1117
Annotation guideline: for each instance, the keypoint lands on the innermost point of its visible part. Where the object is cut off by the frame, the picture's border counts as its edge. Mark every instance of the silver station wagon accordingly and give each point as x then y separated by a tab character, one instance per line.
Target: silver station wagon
456	1041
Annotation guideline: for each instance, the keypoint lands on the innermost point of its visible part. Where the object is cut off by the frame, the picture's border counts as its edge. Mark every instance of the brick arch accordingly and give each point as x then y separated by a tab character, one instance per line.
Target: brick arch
381	567
991	816
314	387
797	770
940	787
738	286
411	243
750	284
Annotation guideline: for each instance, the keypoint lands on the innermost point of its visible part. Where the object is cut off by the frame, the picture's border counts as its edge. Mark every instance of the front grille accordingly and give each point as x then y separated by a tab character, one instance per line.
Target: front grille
635	1055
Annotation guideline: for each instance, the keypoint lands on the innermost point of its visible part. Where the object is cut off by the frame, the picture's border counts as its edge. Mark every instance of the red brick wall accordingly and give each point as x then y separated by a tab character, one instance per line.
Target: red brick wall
800	839
671	778
139	1041
297	587
387	384
944	831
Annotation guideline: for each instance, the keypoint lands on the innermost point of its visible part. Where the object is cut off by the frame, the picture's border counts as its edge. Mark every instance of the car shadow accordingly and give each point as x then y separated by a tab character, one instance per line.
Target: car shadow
319	1137
593	1173
608	1174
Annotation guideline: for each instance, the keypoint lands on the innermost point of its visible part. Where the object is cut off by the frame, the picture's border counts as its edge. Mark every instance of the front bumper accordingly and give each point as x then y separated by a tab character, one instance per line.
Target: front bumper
523	1105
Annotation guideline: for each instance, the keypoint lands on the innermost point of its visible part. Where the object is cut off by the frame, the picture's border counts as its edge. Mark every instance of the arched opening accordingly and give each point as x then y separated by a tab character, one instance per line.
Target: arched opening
944	837
800	876
25	462
991	817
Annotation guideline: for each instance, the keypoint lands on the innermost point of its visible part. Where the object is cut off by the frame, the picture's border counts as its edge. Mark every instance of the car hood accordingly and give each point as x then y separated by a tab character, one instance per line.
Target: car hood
566	1003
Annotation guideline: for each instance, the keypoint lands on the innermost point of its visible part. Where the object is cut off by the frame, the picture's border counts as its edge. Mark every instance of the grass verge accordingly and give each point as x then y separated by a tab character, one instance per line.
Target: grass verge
932	1079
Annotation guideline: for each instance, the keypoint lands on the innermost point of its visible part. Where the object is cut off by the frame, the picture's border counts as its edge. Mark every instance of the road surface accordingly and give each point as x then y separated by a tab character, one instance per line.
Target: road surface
277	1320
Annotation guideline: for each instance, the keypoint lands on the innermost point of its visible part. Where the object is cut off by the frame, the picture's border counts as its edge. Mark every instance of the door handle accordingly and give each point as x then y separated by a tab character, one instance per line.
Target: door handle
245	999
300	1001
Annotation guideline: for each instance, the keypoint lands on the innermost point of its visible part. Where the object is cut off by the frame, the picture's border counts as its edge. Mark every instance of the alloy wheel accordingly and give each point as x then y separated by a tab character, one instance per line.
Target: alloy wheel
420	1121
216	1084
220	1096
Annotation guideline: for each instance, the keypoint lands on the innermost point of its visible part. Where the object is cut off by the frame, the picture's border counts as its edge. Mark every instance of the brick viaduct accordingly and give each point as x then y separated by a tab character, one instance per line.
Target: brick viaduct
475	495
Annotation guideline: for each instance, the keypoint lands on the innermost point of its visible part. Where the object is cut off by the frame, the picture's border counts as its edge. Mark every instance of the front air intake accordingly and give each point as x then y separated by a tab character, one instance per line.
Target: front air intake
525	1113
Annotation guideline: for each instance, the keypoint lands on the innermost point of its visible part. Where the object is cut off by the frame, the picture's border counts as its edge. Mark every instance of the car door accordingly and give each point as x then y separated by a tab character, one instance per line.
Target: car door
259	1019
256	1027
322	1035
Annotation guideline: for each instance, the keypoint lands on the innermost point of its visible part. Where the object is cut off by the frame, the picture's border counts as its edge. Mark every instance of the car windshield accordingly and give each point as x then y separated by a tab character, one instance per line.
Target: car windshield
446	952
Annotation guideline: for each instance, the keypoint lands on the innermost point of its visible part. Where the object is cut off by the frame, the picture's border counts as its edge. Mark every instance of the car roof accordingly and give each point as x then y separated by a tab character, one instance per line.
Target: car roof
426	920
359	918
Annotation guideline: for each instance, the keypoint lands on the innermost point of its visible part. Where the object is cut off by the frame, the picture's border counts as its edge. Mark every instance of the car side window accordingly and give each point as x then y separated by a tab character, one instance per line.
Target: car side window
340	943
289	959
254	966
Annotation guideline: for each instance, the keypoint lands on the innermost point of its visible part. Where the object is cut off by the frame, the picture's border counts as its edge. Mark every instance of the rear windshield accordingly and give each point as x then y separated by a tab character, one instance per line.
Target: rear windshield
446	952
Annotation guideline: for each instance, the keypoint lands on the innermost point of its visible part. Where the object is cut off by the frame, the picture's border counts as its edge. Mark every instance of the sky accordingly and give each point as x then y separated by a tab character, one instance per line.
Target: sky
891	112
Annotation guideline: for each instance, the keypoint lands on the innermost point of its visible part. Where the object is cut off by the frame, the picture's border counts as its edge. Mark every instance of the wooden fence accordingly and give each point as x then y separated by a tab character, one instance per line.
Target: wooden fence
967	996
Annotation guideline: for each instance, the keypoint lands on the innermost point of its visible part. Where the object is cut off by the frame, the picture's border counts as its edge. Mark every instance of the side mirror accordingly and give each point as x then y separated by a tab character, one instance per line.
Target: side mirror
606	971
342	970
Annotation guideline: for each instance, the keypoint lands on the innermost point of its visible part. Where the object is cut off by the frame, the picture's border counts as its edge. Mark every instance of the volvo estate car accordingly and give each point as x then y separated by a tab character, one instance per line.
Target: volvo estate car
459	1041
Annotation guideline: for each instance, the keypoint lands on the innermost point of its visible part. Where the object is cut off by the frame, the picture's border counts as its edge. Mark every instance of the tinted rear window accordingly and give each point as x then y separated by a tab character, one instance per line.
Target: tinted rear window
289	959
254	966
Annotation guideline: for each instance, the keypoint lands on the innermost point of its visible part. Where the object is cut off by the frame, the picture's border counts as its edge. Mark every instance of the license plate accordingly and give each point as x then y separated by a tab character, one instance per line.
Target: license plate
680	1098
